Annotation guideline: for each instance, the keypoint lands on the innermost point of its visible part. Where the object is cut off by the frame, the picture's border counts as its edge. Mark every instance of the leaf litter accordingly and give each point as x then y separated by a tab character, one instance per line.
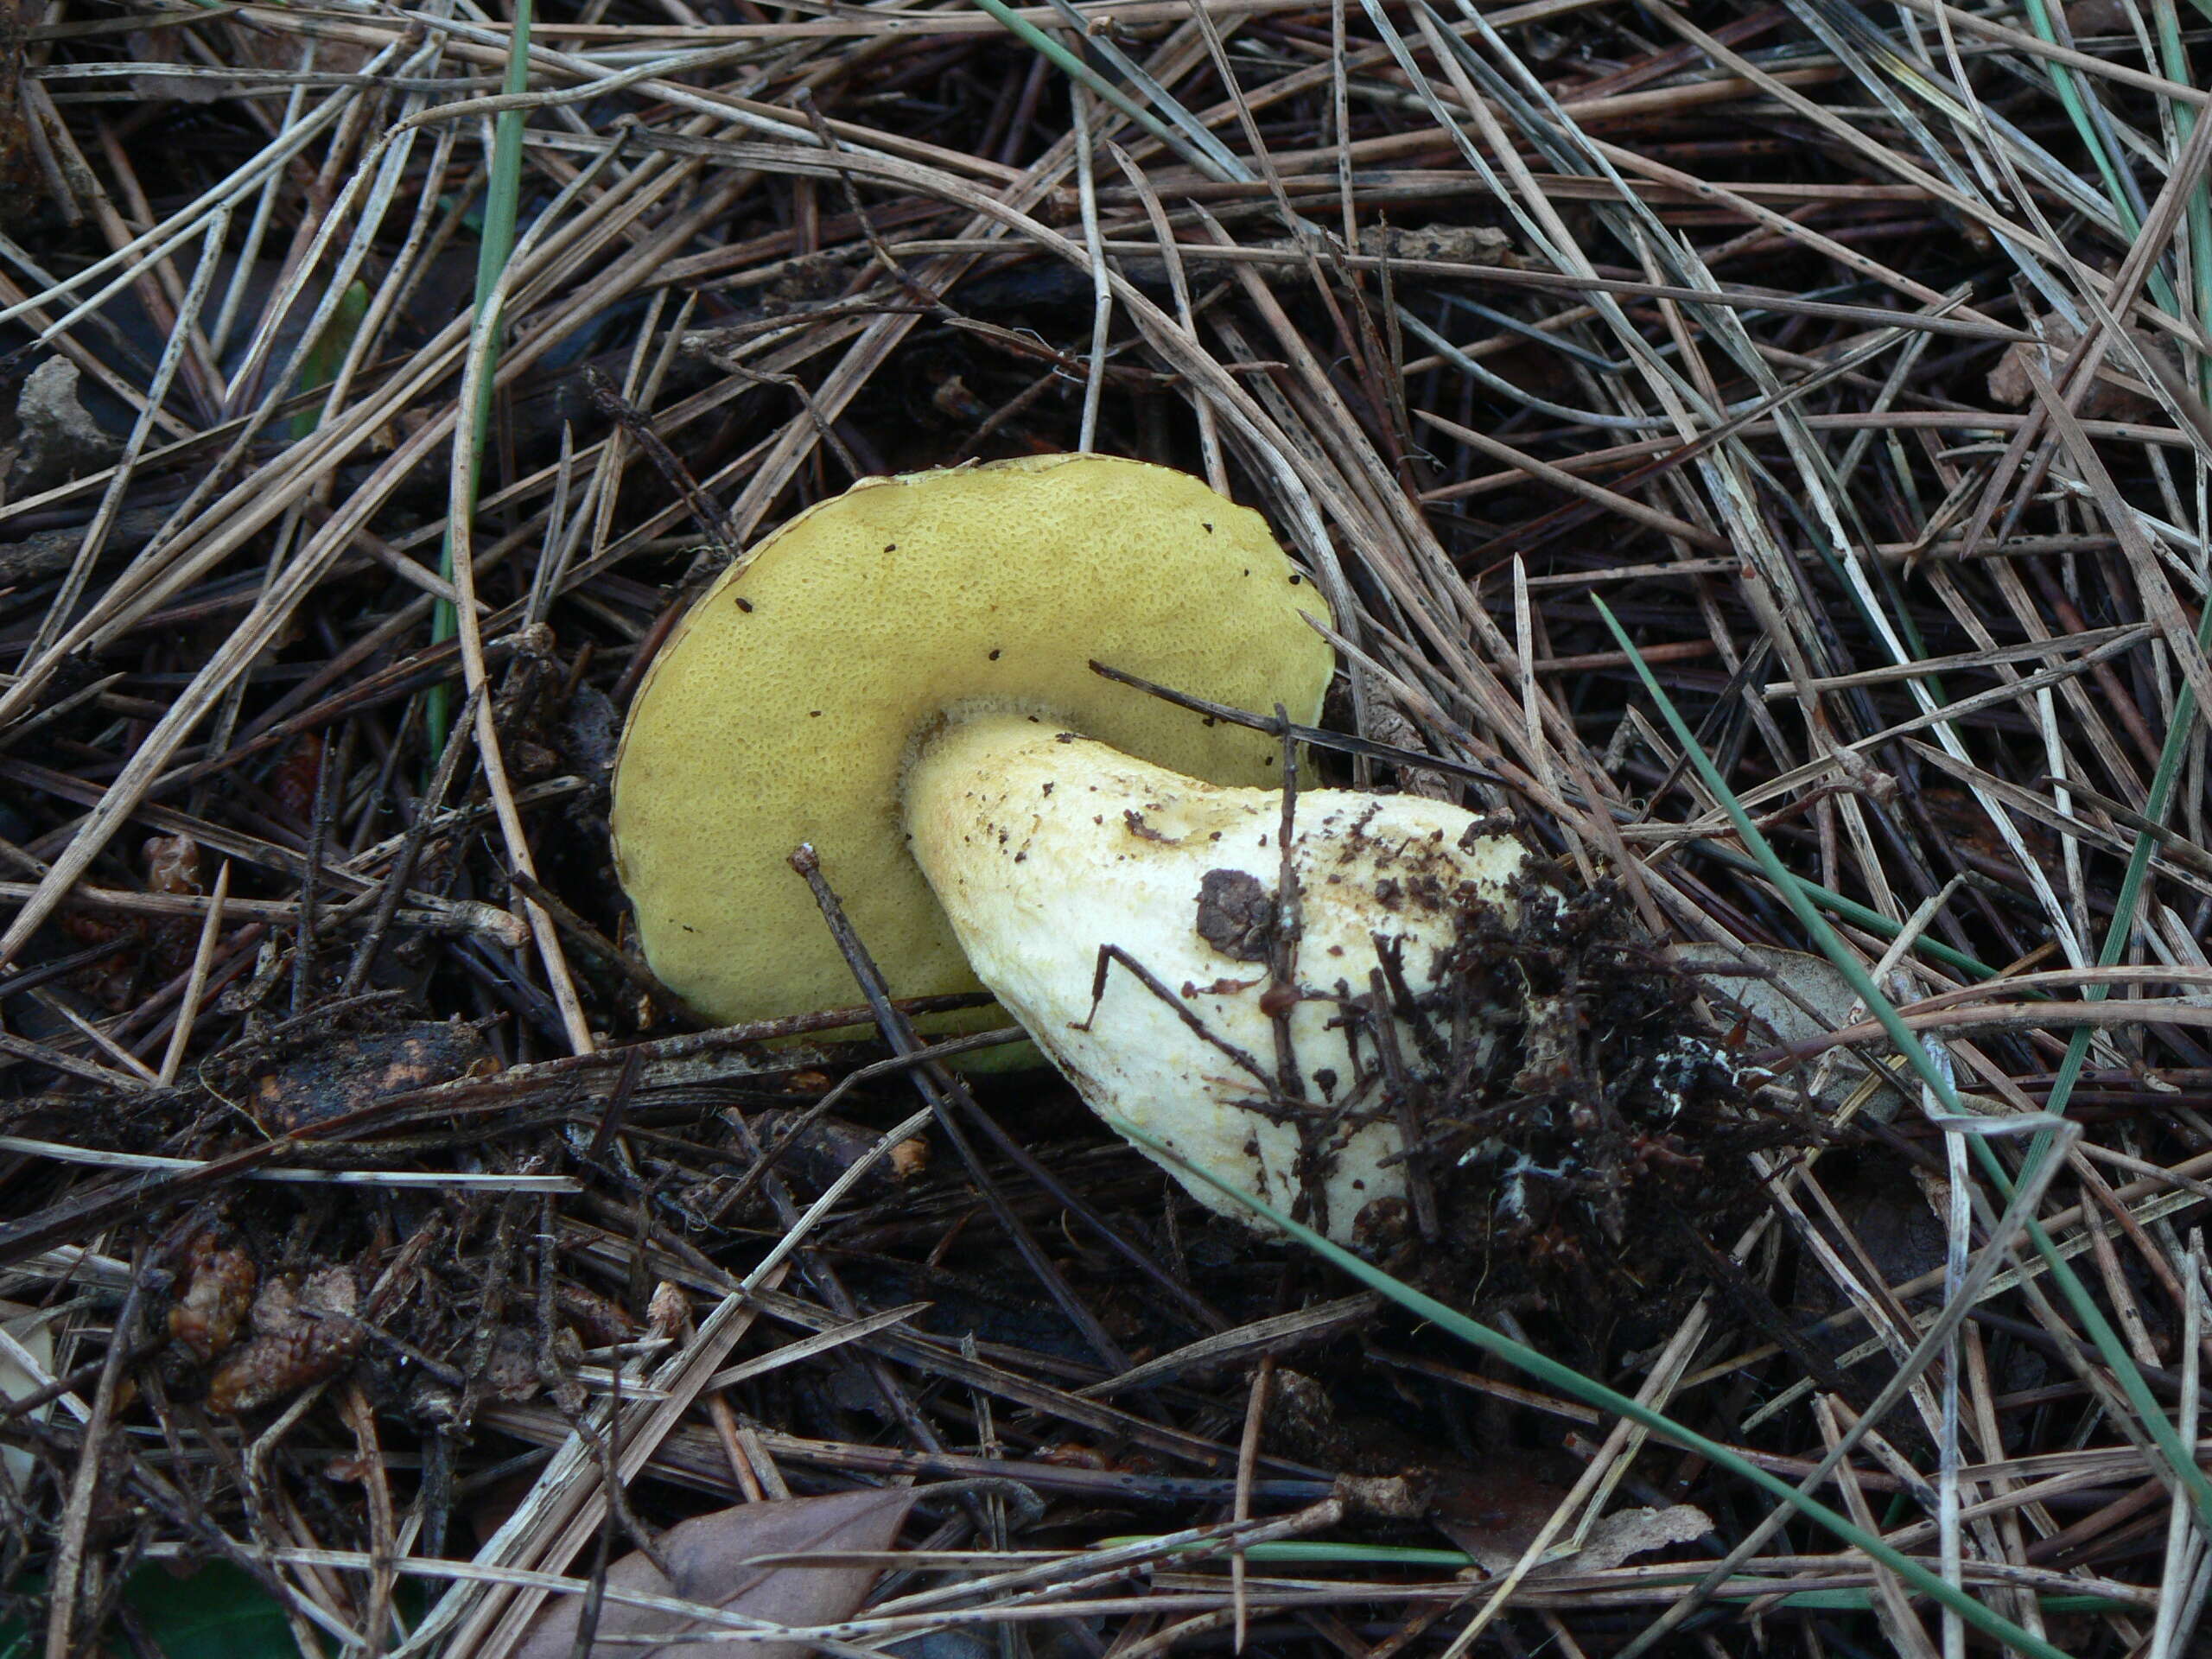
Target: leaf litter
385	1237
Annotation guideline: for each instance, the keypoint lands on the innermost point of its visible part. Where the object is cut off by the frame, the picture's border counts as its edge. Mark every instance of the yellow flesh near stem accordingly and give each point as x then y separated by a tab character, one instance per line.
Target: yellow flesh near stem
785	703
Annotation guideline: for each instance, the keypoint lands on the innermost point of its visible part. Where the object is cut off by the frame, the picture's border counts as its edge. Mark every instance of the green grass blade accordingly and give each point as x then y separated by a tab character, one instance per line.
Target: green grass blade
1068	64
2075	98
1873	921
502	209
2117	1359
1311	1551
1566	1381
329	351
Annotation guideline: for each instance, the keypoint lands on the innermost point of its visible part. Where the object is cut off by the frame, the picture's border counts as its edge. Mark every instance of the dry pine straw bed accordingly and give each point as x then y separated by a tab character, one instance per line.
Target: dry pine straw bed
365	1207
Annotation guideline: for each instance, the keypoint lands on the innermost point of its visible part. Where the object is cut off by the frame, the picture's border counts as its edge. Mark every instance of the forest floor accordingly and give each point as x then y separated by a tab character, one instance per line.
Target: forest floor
1759	451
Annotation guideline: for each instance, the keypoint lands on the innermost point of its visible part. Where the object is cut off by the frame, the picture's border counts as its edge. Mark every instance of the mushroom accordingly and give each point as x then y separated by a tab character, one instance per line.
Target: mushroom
901	676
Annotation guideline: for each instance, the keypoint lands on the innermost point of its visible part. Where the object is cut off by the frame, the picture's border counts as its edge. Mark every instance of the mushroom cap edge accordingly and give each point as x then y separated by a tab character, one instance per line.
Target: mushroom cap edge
782	706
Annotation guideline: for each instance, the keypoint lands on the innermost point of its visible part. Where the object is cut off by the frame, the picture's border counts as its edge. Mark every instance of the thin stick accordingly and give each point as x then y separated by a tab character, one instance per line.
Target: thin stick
187	1007
1102	304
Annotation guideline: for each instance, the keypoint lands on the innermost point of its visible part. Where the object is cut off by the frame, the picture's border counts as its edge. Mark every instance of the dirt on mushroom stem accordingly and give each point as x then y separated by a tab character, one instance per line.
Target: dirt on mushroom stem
1581	1125
1376	1012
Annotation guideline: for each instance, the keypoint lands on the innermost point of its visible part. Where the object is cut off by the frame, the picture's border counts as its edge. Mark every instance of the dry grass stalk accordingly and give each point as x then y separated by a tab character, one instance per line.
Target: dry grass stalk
1496	314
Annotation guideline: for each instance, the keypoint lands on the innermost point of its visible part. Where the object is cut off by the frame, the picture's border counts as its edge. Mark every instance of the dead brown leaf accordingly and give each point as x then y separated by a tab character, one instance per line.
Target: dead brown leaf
711	1556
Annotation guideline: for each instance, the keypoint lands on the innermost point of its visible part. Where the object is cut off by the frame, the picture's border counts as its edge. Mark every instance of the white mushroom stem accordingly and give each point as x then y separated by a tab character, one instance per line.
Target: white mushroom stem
1046	850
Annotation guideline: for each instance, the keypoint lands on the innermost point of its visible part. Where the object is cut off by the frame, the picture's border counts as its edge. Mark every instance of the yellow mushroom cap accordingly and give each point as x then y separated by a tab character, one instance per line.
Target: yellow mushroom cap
783	707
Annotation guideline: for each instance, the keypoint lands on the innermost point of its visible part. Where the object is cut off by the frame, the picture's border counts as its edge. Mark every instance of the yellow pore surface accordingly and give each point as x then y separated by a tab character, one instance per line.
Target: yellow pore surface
783	708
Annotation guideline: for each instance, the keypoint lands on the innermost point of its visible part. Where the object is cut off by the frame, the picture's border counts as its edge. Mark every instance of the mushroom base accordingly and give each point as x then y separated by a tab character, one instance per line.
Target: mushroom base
1147	930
